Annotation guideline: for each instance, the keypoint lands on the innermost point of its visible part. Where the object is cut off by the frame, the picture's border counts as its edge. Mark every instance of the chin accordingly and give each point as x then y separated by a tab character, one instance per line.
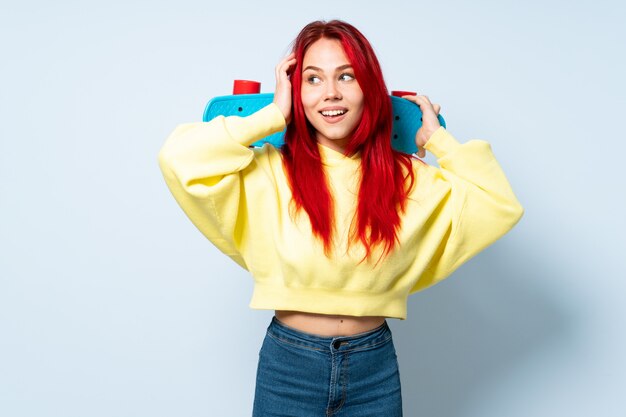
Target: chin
335	136
338	133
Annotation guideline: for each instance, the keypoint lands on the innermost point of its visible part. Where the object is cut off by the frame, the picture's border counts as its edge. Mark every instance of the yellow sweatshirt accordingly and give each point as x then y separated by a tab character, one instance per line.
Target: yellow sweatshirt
239	198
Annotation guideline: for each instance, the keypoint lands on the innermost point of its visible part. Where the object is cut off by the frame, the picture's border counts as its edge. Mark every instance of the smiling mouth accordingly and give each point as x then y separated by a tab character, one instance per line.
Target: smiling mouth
333	113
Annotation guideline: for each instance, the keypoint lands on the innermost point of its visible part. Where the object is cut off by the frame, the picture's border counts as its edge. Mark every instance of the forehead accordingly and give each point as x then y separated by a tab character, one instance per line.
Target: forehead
325	53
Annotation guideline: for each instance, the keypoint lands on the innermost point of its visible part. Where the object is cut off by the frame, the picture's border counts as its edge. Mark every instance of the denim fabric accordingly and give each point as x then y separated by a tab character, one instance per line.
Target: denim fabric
305	375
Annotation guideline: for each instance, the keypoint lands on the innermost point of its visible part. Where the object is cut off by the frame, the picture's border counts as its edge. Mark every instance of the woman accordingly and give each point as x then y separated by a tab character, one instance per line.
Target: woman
336	228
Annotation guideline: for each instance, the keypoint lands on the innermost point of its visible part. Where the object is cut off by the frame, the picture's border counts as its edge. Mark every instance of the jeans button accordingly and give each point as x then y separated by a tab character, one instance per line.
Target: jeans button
336	344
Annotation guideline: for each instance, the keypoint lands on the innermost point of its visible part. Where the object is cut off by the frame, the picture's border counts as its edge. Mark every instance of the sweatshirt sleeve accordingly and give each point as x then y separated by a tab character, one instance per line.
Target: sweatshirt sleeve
477	209
202	164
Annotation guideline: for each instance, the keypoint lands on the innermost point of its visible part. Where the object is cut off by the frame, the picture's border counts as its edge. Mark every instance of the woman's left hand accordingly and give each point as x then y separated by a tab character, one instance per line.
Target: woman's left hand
430	122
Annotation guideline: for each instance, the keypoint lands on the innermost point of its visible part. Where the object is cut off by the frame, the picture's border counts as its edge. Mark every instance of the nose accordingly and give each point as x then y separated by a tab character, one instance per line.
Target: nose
332	91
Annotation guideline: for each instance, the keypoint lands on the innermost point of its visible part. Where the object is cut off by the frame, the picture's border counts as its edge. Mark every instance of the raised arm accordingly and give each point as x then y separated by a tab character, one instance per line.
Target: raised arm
203	163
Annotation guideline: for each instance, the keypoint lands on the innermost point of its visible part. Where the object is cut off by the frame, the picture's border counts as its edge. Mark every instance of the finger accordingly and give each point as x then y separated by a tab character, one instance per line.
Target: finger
284	66
286	60
417	99
414	99
424	104
288	57
289	64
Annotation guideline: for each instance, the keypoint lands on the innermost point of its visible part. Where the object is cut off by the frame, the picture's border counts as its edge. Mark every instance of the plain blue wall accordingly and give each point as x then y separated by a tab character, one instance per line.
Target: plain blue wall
113	304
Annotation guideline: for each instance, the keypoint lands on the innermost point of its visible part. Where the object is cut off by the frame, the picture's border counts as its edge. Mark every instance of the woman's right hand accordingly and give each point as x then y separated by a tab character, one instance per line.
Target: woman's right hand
282	95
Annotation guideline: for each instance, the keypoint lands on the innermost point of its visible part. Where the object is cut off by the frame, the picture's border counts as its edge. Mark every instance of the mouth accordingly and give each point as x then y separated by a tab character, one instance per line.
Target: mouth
334	115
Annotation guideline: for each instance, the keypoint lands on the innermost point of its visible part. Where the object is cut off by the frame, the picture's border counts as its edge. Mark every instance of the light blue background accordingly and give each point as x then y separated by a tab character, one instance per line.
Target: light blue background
113	304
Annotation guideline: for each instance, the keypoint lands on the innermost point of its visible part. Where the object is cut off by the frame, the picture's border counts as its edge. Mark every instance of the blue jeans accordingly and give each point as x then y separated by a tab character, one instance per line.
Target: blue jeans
305	375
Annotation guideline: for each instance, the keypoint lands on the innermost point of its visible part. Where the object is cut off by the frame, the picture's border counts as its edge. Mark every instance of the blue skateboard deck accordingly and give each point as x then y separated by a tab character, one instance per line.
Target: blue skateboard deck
407	117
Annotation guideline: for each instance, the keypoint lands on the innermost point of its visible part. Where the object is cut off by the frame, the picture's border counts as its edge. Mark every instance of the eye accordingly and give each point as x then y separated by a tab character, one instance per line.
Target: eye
346	77
313	79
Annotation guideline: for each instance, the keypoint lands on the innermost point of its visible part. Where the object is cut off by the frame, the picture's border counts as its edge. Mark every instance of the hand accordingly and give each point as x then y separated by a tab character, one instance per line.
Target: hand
430	122
282	95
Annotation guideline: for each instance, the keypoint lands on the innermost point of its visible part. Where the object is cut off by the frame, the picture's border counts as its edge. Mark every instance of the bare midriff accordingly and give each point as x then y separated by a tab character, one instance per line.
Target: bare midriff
328	325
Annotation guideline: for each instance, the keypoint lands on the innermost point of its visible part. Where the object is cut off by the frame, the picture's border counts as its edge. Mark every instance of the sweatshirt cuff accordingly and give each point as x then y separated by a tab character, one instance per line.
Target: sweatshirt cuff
262	123
441	142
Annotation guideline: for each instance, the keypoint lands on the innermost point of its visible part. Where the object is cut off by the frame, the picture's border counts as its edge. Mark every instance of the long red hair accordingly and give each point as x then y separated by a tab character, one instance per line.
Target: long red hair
386	175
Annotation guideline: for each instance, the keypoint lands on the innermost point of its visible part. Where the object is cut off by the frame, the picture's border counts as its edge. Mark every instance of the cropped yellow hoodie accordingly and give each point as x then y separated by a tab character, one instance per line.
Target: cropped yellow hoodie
239	198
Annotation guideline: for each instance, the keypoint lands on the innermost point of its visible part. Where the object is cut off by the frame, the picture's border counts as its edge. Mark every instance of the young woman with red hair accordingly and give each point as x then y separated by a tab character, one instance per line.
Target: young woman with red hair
336	227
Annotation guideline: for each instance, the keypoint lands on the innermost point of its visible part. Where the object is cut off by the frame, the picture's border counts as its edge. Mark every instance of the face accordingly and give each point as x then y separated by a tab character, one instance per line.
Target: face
331	96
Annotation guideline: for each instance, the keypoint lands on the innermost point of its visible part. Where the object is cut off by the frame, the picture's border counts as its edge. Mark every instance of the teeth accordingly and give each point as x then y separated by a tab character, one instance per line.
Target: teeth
333	112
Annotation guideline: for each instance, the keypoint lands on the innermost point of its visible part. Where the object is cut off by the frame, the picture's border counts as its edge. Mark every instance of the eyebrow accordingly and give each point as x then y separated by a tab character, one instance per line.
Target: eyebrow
339	68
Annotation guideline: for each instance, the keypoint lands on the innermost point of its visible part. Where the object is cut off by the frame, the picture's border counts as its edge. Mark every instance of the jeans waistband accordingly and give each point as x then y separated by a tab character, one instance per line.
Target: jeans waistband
360	341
